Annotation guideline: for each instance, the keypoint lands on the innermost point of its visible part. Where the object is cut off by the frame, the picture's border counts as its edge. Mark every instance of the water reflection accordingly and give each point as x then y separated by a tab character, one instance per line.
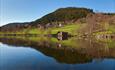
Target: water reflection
58	54
71	52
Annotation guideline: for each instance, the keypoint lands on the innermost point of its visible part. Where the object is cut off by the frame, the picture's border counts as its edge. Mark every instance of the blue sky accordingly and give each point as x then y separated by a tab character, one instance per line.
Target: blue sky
30	10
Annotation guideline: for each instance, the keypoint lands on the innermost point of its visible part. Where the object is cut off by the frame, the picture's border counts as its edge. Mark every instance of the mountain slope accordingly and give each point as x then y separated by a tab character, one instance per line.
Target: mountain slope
64	14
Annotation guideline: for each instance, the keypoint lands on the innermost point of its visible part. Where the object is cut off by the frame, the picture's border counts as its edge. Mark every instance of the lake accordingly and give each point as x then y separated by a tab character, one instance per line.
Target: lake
46	53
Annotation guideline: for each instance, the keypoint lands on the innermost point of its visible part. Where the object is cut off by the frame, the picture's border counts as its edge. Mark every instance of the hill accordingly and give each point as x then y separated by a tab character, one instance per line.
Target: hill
71	19
64	15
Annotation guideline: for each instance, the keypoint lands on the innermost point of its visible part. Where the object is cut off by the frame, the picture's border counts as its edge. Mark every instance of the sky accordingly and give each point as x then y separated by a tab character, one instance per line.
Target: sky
30	10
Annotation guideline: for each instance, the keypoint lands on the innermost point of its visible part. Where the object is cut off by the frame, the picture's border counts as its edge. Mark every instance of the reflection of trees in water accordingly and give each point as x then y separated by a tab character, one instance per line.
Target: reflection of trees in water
86	51
95	49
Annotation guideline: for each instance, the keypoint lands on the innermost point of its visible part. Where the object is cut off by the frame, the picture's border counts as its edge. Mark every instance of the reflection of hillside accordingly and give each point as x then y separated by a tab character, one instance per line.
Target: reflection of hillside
86	51
66	55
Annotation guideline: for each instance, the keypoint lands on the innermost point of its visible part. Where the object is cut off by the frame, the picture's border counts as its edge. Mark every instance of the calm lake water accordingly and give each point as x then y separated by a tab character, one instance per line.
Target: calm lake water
42	53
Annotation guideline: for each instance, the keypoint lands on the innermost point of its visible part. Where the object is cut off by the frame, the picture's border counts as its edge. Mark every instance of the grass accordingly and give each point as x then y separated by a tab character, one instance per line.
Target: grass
112	28
71	29
67	28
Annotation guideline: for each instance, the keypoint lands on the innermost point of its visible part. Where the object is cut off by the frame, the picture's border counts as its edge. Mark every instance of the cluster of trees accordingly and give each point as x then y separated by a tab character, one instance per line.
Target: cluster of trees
64	15
97	22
